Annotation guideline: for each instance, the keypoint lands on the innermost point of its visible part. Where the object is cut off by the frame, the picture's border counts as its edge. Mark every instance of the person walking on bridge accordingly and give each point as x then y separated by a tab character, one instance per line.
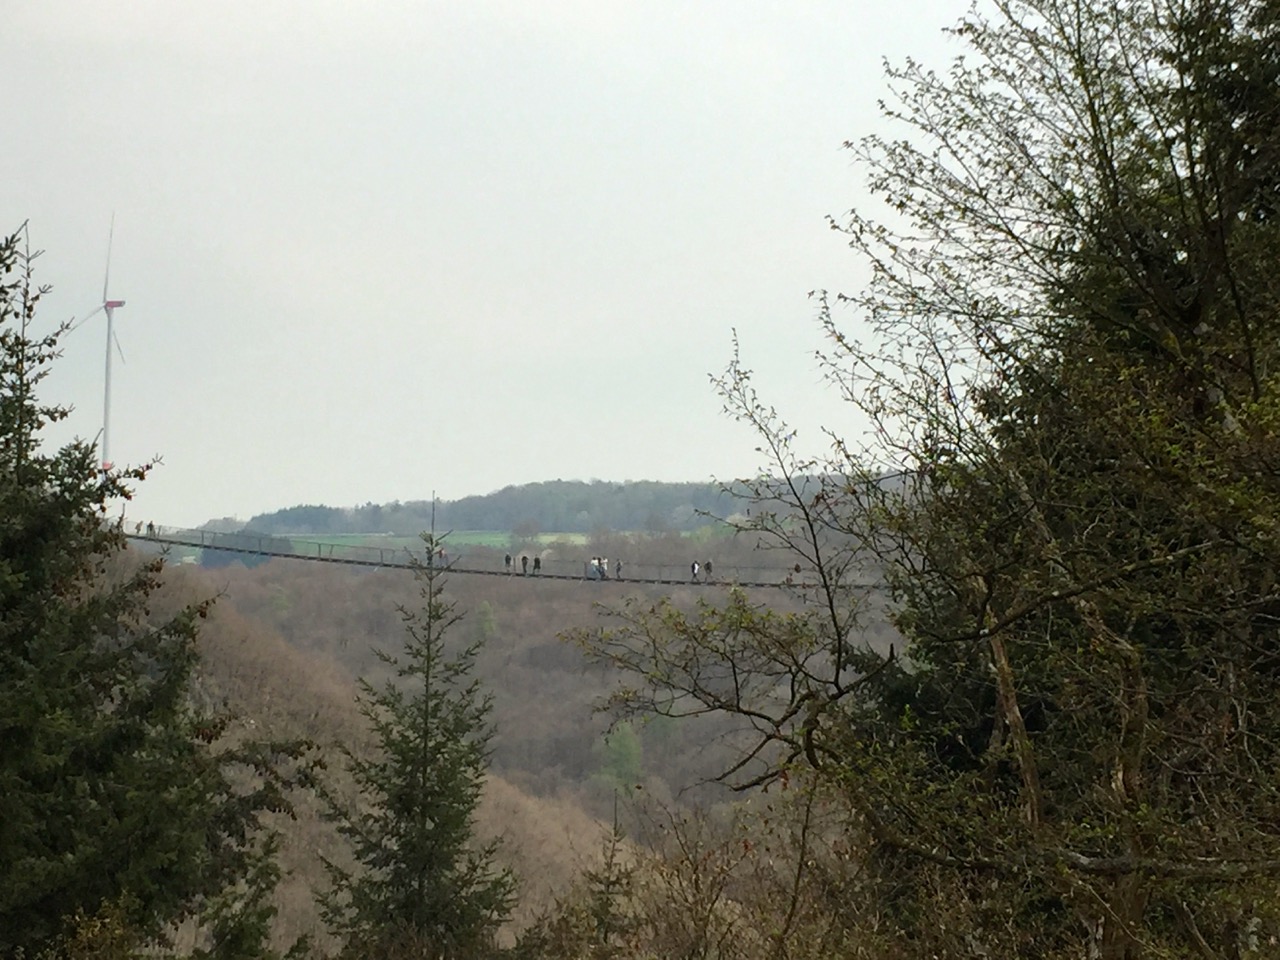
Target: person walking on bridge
537	566
524	566
693	572
507	563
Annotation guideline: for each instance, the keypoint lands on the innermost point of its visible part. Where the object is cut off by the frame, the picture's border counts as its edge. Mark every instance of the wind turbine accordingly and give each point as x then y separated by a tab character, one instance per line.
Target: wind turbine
108	306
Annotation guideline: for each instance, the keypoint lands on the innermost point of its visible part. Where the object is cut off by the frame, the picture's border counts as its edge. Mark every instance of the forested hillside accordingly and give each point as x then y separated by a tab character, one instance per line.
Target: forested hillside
549	733
562	506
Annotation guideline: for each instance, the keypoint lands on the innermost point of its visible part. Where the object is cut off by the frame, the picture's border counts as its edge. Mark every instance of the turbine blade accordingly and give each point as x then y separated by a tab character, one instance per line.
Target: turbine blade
119	349
81	322
111	235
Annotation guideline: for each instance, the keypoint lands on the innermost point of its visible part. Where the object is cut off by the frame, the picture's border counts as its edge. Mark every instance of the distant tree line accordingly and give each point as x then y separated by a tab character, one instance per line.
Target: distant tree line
572	506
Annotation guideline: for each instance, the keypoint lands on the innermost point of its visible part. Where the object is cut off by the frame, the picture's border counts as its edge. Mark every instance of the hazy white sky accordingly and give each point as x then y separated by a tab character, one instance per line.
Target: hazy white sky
372	249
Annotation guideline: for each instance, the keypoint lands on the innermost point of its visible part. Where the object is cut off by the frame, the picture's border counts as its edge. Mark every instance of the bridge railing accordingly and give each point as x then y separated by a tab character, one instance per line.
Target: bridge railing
460	561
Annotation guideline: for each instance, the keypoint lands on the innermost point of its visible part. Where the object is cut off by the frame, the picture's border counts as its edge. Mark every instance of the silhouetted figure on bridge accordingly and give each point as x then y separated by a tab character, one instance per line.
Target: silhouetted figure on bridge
693	572
617	570
708	570
507	563
524	566
537	566
151	529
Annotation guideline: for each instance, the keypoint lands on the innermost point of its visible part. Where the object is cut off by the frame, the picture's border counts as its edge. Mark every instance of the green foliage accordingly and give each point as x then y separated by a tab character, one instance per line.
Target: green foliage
118	814
106	935
1085	565
1074	328
598	921
238	920
425	887
609	890
486	622
621	756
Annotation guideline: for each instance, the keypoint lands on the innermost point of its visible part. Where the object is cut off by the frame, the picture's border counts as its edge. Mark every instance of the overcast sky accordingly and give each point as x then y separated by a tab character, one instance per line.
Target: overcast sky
373	249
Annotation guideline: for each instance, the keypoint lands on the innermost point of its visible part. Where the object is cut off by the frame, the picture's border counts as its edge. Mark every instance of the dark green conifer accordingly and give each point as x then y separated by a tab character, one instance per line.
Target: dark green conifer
113	800
424	886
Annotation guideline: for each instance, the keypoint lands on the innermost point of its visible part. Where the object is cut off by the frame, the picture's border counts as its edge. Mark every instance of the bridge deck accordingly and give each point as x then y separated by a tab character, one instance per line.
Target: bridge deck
402	558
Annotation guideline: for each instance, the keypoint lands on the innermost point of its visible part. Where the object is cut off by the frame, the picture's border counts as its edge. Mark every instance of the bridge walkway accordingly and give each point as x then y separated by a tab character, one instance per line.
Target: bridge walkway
268	545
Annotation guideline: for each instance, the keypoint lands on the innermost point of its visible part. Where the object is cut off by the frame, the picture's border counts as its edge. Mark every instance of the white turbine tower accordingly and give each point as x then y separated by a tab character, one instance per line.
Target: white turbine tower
107	306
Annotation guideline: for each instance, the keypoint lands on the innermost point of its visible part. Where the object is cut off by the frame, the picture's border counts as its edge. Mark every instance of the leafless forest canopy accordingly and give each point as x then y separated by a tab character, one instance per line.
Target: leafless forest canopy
286	640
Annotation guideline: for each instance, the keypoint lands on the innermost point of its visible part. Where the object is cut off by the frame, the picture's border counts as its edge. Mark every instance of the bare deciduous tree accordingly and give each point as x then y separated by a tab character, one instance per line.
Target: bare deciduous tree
1070	491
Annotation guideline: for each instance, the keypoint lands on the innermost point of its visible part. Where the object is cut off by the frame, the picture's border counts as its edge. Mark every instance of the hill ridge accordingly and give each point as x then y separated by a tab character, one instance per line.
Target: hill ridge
570	506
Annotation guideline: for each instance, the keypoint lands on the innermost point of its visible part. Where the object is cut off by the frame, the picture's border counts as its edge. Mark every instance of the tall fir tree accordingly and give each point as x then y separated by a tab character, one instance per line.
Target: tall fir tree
424	886
114	800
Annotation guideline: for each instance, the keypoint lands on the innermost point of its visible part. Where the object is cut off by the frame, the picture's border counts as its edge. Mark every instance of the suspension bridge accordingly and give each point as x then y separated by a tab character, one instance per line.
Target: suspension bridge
484	562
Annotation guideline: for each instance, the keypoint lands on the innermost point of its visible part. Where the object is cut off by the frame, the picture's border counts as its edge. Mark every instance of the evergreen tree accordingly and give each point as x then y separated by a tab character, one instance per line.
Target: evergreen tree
598	920
114	803
609	887
424	887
